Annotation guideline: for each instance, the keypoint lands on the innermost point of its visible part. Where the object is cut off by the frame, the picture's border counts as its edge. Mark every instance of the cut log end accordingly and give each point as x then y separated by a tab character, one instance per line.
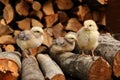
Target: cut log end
8	70
100	70
58	77
7	76
116	65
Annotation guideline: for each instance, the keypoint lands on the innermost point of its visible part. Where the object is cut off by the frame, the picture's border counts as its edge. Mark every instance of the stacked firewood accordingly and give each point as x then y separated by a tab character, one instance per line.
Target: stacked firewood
56	17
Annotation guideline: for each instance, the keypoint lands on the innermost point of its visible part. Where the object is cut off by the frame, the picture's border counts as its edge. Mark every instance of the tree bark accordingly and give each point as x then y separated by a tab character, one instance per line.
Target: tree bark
50	69
83	67
109	49
31	70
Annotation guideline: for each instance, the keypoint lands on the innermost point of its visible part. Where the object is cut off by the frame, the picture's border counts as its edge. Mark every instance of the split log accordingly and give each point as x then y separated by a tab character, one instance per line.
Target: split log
9	47
64	4
51	19
5	29
63	17
48	8
31	70
73	25
48	40
49	31
38	14
36	6
22	8
83	67
83	12
24	24
10	65
58	30
36	23
8	13
109	49
7	39
50	69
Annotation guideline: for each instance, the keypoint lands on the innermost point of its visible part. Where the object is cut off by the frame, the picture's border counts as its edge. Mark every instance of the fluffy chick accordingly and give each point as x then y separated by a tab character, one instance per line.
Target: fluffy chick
30	38
87	36
64	44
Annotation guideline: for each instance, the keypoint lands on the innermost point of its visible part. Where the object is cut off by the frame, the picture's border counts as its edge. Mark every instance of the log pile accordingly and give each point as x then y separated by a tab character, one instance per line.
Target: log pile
56	17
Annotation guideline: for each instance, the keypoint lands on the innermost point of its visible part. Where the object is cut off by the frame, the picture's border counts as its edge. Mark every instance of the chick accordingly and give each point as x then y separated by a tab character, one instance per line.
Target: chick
30	38
87	36
64	44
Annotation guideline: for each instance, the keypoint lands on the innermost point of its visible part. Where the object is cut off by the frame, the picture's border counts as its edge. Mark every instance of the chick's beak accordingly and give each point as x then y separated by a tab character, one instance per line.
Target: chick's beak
42	32
86	29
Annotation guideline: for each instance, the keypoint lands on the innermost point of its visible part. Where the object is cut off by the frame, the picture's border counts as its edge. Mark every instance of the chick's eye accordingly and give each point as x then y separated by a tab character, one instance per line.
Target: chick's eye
90	25
37	31
71	38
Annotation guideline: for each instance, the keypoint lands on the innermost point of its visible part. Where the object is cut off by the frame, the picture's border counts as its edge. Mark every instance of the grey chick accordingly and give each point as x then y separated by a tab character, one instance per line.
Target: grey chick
30	38
87	36
64	44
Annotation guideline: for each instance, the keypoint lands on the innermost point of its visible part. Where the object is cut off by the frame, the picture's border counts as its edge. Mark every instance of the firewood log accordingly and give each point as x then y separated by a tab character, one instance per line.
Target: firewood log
64	4
24	24
31	70
109	49
5	29
10	65
51	19
48	8
36	23
83	12
8	12
48	40
7	39
49	31
63	17
58	30
9	47
73	25
22	8
83	67
50	69
38	14
36	6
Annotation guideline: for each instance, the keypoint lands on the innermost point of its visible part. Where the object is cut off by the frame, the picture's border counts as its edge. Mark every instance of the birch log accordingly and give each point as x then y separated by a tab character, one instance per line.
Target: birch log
31	70
50	69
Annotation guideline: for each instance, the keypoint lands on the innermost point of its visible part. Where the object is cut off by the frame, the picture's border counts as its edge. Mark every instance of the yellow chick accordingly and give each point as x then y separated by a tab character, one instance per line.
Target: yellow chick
30	38
64	44
87	36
